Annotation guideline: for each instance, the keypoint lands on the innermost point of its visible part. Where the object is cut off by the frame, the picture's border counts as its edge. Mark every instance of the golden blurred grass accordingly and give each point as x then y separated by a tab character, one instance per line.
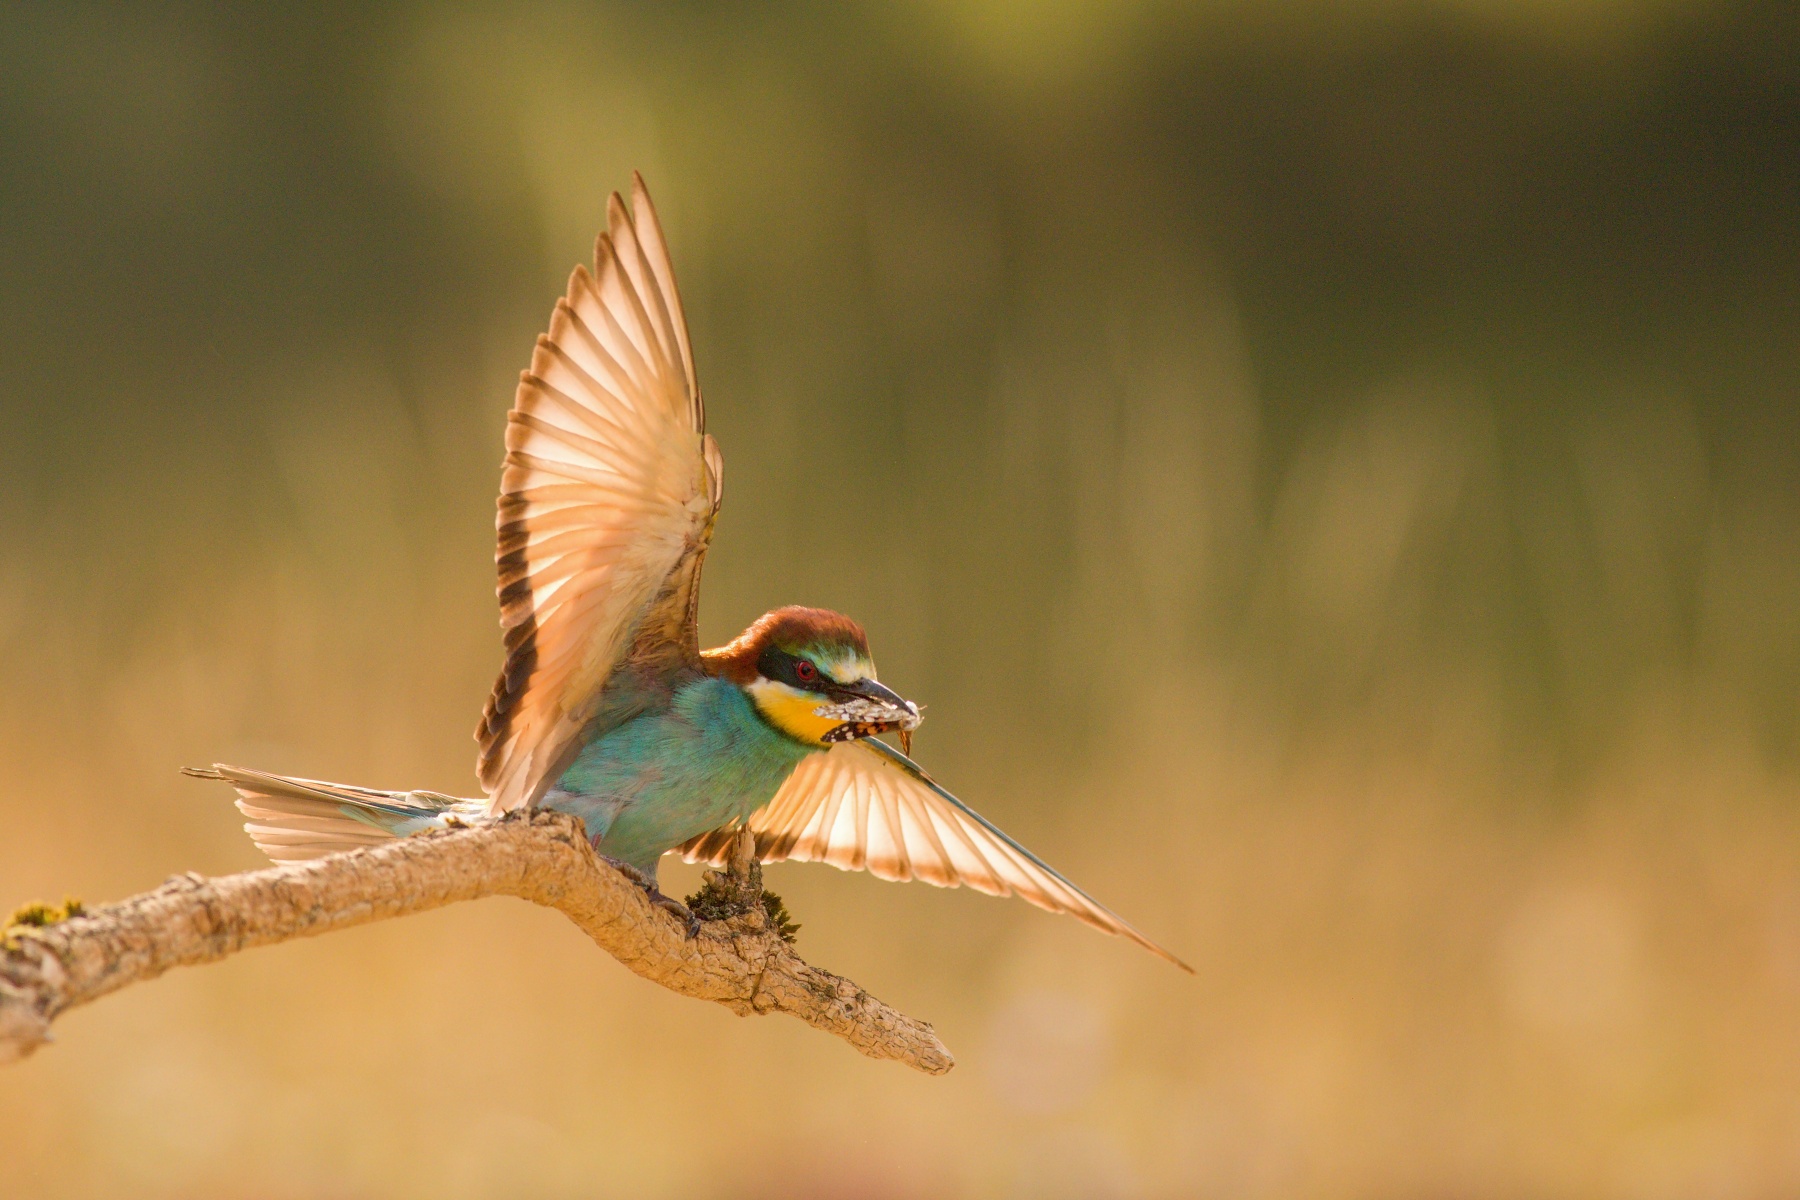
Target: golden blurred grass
1404	988
1330	478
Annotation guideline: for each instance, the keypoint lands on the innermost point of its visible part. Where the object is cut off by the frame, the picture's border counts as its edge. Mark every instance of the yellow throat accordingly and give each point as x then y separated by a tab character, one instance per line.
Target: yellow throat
791	711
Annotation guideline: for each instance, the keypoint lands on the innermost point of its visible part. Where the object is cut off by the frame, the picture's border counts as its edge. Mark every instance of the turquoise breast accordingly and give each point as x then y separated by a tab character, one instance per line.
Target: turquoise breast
651	783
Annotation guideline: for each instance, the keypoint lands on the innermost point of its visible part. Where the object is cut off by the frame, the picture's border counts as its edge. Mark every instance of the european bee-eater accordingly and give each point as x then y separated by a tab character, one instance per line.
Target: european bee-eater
607	708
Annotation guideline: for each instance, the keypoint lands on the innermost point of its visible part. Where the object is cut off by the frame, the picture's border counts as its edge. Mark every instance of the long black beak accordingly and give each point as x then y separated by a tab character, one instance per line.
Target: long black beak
868	708
868	689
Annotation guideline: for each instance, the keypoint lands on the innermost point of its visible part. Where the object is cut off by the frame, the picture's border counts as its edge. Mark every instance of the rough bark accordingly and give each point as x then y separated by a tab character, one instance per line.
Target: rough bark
739	962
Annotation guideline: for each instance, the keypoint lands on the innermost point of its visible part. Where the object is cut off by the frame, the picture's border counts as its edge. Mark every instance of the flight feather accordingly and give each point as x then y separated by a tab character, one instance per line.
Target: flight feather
864	806
607	501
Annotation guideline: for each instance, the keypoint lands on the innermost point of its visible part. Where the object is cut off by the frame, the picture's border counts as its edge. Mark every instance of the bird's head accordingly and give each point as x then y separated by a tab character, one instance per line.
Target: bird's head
809	673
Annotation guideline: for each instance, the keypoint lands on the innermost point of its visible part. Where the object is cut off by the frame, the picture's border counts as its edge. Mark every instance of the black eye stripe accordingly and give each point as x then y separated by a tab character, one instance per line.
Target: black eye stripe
784	668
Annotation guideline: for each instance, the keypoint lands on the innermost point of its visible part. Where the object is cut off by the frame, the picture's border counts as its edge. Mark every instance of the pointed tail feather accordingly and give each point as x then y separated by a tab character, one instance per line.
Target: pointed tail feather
308	818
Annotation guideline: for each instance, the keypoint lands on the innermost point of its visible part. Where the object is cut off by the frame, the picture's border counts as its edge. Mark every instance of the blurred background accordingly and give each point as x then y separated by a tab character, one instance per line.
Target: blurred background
1331	470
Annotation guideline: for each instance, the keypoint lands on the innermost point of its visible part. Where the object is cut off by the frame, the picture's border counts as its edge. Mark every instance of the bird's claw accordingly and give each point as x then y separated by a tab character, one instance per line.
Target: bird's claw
682	912
630	872
668	904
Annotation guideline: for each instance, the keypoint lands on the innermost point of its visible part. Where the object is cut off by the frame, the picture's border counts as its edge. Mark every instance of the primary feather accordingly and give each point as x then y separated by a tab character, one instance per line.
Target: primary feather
606	505
864	806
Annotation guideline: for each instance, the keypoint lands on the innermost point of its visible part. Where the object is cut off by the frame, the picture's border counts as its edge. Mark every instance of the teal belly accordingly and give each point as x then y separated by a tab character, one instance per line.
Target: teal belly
668	775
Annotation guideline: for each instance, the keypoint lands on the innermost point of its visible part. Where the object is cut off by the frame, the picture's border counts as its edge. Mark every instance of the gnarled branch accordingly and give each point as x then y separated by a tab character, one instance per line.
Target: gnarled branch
542	857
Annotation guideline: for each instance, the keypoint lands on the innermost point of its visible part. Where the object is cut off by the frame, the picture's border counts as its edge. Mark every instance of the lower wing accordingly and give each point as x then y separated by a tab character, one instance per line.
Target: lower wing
864	806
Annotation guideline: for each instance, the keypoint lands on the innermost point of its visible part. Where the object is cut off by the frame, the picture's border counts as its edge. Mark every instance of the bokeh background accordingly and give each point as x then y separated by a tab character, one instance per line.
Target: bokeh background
1331	470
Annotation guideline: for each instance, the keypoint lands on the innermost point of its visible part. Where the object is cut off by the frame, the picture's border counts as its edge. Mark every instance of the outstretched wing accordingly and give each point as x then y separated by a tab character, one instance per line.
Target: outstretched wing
606	505
864	806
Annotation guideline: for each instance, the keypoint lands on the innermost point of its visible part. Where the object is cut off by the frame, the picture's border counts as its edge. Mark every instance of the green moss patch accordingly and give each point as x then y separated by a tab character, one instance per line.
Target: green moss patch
37	915
722	898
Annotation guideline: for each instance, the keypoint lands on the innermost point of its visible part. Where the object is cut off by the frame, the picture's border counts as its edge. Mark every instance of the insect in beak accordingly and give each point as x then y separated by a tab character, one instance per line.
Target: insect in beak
867	708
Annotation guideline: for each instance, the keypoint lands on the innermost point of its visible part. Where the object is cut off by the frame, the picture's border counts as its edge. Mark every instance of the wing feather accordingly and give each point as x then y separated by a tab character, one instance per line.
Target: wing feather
656	254
607	500
865	806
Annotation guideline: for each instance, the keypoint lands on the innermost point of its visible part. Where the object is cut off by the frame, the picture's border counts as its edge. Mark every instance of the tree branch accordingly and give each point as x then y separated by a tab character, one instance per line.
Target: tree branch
542	857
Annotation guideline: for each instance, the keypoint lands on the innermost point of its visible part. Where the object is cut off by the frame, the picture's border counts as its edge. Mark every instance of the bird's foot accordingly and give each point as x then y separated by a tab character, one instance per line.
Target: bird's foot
630	872
682	912
668	904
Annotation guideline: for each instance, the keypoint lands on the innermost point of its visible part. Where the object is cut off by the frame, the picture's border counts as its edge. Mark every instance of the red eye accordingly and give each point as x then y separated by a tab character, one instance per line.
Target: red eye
804	671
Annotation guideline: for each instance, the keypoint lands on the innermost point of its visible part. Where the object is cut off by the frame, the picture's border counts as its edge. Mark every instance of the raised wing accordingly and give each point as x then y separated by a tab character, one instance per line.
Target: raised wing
864	806
606	505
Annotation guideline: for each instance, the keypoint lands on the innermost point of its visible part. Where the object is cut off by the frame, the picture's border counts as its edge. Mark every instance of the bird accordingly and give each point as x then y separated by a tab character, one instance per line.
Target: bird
606	707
